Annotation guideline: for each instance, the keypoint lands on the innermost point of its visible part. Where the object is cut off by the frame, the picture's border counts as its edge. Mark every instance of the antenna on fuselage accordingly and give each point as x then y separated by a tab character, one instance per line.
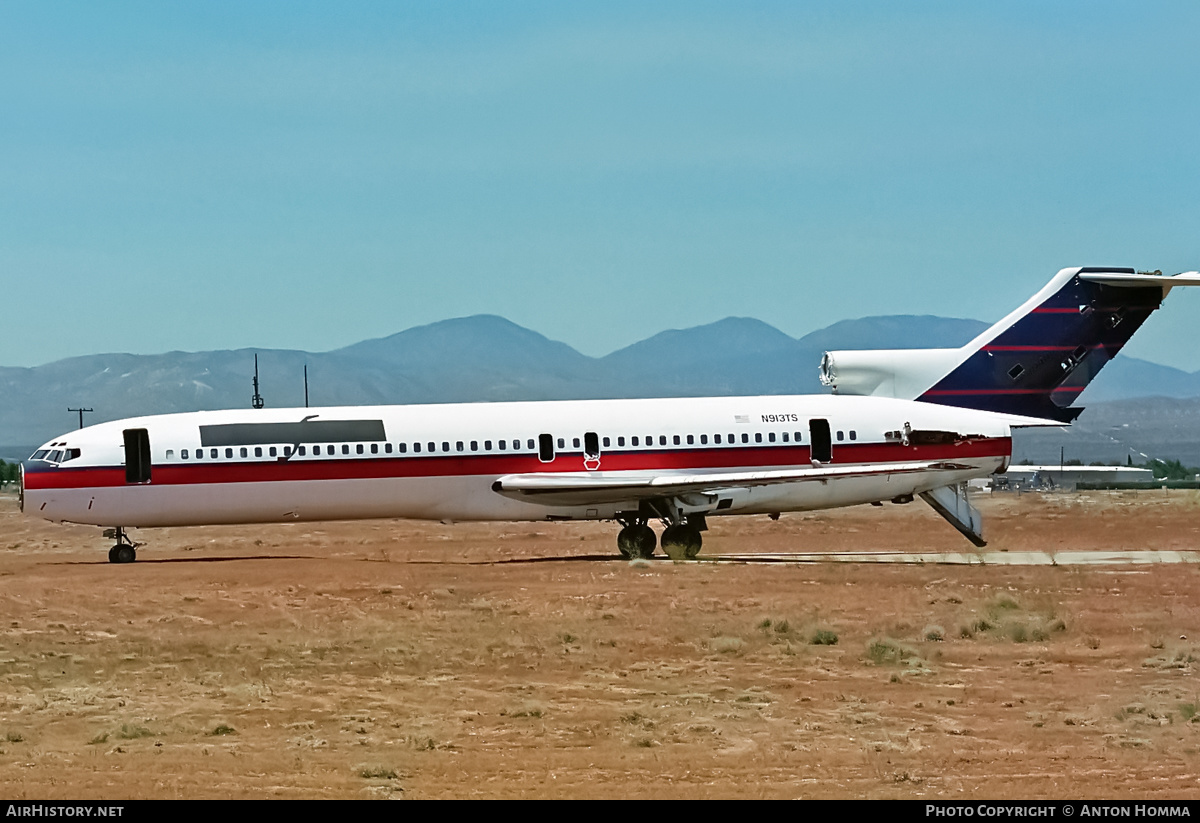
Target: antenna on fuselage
256	401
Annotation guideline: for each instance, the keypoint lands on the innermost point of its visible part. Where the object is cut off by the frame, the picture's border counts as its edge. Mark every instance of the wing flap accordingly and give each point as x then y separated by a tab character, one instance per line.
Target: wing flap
580	489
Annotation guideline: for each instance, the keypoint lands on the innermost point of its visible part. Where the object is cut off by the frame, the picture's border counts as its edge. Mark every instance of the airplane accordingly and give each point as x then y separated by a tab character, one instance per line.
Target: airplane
898	424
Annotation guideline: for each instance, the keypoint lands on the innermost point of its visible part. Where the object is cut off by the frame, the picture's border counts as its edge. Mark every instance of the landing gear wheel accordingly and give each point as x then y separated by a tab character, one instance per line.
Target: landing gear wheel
125	551
636	542
122	553
681	542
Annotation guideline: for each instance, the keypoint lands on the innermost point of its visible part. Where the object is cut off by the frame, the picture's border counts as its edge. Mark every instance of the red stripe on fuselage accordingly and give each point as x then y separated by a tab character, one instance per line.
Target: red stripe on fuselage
1039	348
179	473
944	392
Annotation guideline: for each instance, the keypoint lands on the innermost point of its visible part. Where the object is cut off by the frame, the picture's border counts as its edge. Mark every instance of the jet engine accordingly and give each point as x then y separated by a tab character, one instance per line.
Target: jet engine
902	373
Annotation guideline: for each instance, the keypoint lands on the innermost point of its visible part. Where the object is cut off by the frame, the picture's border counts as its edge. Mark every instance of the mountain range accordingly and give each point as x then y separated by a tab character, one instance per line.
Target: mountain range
488	358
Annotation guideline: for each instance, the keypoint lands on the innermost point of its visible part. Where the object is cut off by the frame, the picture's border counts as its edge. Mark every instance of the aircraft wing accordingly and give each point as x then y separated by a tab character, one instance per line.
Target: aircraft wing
579	489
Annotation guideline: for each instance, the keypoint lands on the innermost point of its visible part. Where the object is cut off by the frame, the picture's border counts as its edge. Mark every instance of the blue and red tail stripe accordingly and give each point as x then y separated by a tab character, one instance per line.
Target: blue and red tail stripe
1039	364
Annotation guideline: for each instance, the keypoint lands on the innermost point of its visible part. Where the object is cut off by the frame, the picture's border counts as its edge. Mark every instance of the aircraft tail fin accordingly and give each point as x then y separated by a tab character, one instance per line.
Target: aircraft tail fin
1035	362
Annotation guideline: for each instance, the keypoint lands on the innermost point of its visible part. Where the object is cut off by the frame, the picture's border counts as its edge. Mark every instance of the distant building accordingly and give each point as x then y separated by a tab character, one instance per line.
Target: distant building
1067	477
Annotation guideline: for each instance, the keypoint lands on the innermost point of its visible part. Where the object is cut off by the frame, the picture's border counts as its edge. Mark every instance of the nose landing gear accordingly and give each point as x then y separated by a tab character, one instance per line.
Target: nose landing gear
125	551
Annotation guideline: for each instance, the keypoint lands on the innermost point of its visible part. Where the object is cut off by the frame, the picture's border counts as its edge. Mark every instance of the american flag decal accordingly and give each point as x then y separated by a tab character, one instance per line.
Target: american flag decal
741	418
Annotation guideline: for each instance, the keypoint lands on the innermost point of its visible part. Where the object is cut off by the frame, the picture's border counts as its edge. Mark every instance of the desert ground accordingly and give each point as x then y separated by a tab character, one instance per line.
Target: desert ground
390	659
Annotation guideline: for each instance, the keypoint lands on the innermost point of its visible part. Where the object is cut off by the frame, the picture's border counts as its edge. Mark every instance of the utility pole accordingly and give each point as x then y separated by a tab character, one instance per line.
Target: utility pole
256	401
81	411
306	385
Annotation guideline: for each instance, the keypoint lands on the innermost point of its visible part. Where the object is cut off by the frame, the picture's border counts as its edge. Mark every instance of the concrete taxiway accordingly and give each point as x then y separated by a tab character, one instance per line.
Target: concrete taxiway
1018	558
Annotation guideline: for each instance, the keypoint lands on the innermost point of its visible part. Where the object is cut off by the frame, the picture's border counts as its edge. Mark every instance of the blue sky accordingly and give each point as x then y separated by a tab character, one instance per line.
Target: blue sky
306	175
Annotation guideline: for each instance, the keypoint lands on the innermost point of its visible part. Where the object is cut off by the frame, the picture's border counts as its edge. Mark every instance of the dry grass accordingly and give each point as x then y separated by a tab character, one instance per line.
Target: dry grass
393	659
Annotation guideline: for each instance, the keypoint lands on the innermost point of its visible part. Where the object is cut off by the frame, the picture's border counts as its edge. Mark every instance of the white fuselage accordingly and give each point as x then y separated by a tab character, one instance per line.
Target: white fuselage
440	462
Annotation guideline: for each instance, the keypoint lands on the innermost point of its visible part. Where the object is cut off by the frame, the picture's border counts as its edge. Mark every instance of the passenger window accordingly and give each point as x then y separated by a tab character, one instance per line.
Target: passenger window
785	437
183	454
374	448
745	437
771	436
229	452
403	447
620	441
345	448
717	439
606	442
287	451
516	445
387	447
502	444
487	445
675	439
244	452
170	454
529	445
662	440
431	447
199	454
799	439
302	451
853	434
634	441
691	440
458	446
416	447
562	444
841	436
575	443
274	452
212	453
358	448
474	445
258	451
704	440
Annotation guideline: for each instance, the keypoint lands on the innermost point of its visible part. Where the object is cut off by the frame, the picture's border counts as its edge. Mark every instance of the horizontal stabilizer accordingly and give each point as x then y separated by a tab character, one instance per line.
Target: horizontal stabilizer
1187	278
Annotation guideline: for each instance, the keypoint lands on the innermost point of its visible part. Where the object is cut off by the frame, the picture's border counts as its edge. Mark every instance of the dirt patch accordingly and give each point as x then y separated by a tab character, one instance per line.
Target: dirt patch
396	659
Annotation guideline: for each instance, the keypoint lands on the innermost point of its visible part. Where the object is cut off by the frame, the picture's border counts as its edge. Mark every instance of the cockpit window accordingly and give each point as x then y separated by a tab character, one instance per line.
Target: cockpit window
71	454
55	456
39	454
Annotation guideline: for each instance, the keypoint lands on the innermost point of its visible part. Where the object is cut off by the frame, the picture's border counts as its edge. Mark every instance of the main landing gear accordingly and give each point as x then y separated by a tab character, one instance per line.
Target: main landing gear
636	541
680	540
125	551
